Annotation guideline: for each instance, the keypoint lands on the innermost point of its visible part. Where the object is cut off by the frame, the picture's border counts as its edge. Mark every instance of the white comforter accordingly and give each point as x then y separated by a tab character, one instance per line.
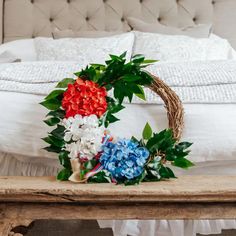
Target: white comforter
211	127
194	82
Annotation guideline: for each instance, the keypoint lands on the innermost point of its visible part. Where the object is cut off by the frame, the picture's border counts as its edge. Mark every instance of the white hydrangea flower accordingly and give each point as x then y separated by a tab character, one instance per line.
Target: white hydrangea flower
83	136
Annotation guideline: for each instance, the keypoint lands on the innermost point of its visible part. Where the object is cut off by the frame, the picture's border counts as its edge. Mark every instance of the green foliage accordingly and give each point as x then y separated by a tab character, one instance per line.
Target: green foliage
54	141
164	148
64	83
101	177
58	132
147	132
153	169
64	174
137	180
64	159
54	94
126	80
52	121
59	113
51	104
182	163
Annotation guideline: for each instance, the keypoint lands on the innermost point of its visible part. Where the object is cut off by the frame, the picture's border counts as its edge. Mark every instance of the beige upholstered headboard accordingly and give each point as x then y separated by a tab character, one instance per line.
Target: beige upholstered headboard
32	18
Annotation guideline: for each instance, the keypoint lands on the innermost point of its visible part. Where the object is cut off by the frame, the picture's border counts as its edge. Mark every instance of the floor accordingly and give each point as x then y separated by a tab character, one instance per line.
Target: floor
76	228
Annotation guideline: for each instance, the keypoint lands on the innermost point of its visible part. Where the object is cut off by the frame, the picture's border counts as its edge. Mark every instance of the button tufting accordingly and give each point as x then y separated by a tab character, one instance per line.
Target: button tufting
140	1
194	18
68	1
122	19
213	2
104	0
51	19
159	18
32	1
87	18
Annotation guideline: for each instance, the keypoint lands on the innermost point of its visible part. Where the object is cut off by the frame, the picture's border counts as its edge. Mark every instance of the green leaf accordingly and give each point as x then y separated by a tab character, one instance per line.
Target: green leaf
110	119
139	58
137	180
123	55
147	132
182	163
134	139
131	78
52	104
57	113
52	121
52	148
98	66
119	93
171	173
64	159
89	165
141	94
166	173
59	132
183	145
160	140
64	174
54	141
102	176
148	61
54	94
155	163
64	83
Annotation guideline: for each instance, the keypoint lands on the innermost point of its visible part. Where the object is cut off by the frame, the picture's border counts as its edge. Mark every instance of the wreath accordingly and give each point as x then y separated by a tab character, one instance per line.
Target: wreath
81	110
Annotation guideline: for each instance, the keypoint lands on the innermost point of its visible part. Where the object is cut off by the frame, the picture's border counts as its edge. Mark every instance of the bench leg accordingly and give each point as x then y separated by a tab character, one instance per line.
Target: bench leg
6	226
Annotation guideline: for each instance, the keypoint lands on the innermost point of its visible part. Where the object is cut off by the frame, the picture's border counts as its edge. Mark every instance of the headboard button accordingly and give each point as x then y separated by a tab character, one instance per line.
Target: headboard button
68	1
51	19
87	18
32	1
159	19
122	19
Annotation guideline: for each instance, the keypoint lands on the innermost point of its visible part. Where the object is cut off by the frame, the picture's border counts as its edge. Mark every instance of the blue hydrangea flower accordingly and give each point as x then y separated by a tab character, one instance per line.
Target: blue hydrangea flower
124	159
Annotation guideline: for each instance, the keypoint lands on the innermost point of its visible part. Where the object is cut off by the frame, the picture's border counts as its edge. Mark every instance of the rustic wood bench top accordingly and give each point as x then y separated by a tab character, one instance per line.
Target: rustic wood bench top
25	199
183	189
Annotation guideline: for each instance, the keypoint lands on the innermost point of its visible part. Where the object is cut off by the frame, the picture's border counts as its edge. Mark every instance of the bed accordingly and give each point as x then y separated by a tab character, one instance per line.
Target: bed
209	103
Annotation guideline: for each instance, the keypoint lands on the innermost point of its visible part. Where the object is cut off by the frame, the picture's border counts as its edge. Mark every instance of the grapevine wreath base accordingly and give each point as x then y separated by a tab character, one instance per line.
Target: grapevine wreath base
81	110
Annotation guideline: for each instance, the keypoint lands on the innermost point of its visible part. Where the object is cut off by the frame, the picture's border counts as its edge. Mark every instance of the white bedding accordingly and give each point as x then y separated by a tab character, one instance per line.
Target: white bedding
194	82
211	127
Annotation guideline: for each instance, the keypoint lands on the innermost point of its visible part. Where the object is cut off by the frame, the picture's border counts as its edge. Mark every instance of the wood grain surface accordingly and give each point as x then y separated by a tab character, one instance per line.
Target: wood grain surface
183	189
25	199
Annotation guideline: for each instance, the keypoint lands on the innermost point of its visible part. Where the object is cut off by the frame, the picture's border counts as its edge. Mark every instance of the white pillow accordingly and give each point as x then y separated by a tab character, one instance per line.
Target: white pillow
22	49
84	50
176	48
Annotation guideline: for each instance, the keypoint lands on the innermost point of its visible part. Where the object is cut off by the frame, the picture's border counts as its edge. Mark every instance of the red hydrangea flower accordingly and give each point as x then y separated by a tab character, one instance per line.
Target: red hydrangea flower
85	98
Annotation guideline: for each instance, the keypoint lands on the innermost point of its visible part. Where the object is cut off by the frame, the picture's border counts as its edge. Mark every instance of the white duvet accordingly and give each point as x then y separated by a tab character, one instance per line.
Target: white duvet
209	95
194	82
211	127
207	89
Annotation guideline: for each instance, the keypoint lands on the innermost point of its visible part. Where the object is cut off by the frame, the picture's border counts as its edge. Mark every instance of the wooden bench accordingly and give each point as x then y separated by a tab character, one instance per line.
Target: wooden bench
25	199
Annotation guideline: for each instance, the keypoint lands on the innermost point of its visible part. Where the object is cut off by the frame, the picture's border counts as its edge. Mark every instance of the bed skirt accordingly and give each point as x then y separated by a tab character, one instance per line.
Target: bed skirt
12	164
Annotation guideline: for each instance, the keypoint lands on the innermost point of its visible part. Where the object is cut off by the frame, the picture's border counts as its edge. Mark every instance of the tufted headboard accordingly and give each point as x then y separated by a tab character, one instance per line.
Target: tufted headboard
32	18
